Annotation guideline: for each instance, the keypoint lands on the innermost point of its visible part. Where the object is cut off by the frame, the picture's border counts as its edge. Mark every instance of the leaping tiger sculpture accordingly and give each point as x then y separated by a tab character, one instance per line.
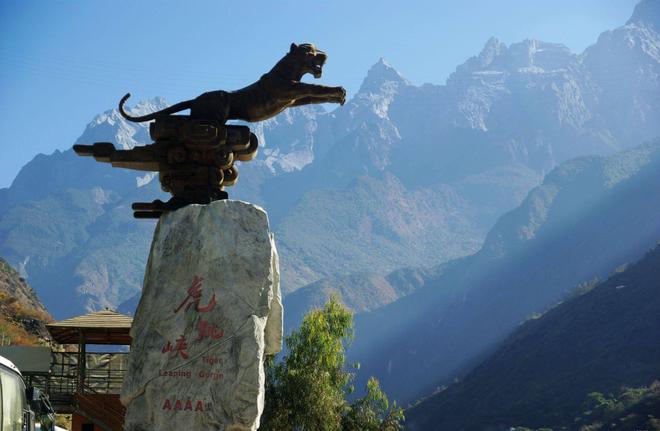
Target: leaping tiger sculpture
194	154
275	91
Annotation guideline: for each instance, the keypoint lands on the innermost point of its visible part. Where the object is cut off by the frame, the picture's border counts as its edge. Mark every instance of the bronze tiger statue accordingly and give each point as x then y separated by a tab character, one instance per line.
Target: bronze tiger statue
275	91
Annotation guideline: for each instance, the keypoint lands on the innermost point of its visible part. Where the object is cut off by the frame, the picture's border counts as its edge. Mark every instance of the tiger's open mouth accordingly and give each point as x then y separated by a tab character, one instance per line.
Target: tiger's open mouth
317	66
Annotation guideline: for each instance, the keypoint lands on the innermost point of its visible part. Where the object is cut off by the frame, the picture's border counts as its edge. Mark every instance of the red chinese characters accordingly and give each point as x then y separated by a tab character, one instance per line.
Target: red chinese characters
179	348
195	296
205	329
208	330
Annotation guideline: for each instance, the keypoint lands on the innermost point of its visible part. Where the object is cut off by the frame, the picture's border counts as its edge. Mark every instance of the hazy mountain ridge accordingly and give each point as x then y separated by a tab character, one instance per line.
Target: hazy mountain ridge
589	216
540	376
284	155
399	176
374	291
67	223
379	225
503	118
629	80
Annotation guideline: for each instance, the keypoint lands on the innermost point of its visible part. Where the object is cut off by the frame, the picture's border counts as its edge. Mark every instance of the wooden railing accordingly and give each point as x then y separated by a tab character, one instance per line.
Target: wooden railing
97	398
104	409
104	374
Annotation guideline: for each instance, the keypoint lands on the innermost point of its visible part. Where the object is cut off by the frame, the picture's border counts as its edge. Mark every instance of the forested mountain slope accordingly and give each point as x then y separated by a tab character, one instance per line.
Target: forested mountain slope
599	341
588	217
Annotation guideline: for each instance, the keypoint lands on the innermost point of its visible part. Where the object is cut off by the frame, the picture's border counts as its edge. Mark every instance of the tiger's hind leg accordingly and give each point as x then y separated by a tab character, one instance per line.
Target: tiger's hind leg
213	105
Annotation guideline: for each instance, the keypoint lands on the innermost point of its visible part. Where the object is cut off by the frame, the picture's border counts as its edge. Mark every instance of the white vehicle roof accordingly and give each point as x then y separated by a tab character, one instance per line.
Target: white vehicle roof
9	364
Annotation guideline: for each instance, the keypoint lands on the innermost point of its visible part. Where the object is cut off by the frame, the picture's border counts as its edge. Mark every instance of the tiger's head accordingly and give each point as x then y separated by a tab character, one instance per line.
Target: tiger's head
309	59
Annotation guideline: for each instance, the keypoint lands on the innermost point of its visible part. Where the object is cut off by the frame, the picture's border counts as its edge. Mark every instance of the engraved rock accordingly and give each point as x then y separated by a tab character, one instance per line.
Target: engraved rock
210	310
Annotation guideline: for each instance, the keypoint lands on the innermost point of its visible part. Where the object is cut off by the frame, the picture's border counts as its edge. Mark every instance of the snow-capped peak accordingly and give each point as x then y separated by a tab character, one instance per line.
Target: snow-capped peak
145	107
110	126
530	55
491	50
647	12
378	89
381	75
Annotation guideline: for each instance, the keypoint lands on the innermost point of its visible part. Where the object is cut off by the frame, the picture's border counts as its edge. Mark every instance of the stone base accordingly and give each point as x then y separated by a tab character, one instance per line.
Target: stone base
210	310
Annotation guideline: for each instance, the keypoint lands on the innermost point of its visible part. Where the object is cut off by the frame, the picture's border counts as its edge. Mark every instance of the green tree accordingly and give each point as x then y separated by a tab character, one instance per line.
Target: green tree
372	412
306	391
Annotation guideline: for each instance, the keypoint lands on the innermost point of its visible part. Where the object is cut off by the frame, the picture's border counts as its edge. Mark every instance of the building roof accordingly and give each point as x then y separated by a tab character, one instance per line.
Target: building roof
100	327
29	359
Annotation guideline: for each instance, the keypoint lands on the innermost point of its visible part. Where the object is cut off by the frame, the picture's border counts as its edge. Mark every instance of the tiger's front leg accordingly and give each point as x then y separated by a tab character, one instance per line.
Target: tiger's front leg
310	101
301	90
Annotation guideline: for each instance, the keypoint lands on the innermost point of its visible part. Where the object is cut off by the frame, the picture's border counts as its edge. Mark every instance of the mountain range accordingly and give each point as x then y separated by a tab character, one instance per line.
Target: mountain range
446	215
509	115
589	216
400	176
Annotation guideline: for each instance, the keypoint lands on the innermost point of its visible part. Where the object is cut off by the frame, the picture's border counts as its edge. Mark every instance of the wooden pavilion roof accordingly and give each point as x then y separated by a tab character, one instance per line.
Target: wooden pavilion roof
100	327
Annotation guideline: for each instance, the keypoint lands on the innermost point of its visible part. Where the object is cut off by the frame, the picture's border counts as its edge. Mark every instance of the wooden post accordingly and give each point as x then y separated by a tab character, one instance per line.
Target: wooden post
82	361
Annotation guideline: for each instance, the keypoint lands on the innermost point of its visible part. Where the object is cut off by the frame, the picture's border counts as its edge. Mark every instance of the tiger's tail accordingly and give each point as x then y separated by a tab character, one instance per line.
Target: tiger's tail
148	117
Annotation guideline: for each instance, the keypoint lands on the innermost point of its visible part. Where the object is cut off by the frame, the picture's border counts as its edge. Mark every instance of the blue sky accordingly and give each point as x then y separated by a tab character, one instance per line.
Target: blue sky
63	62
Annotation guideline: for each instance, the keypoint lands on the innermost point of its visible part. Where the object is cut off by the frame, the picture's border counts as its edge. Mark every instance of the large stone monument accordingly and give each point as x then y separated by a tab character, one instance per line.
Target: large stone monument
210	310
